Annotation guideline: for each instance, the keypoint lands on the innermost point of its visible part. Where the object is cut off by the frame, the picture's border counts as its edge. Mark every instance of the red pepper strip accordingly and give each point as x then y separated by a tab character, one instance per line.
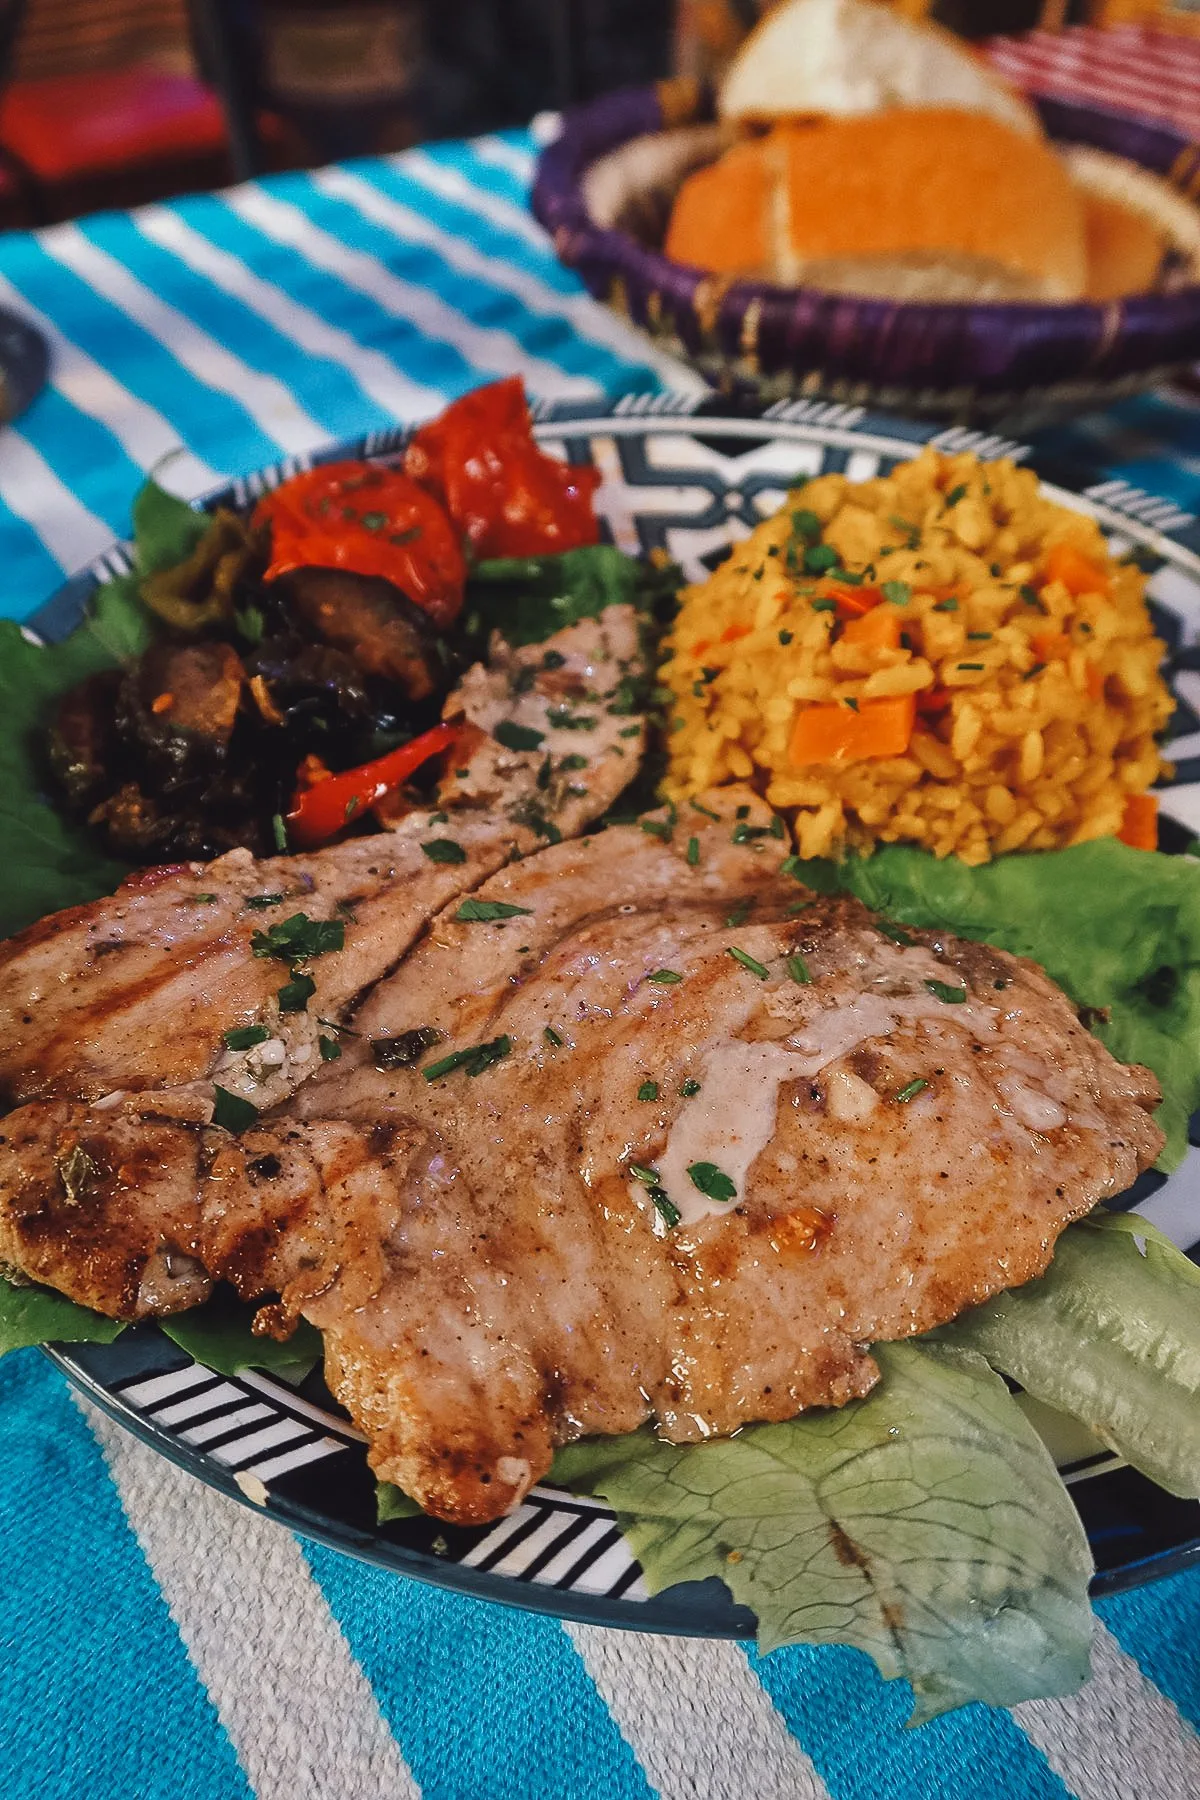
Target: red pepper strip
320	812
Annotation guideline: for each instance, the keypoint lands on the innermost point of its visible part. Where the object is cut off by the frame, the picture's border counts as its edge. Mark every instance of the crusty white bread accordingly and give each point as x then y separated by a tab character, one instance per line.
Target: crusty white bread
936	204
838	58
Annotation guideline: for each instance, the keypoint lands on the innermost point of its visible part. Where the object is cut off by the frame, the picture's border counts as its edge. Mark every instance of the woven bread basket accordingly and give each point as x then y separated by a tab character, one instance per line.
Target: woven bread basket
604	189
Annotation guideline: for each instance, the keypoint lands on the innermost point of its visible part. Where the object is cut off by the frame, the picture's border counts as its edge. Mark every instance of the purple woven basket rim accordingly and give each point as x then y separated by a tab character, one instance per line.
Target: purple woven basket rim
600	126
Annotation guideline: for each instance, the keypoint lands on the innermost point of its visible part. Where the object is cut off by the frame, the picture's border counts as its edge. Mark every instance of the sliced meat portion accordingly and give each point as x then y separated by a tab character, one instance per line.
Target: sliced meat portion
559	728
658	1135
103	1204
137	990
678	1183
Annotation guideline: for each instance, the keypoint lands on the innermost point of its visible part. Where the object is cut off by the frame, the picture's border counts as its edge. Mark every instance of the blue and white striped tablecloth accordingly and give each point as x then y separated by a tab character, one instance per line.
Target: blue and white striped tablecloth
157	1643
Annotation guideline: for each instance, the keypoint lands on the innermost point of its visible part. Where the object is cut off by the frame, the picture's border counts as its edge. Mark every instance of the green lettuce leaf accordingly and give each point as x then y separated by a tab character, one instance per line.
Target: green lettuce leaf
218	1334
37	1315
393	1503
1111	1335
52	861
1118	929
530	597
926	1524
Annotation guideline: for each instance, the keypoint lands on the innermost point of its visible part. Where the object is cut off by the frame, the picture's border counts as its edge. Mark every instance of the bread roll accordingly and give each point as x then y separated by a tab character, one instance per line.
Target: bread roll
841	58
915	205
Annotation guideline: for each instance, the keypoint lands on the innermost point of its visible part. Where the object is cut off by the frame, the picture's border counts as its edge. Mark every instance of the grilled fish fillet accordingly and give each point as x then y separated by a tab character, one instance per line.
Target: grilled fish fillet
723	1137
136	991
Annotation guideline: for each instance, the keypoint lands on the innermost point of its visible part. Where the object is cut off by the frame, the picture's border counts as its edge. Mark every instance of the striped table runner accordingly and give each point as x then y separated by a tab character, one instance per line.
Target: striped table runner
158	1643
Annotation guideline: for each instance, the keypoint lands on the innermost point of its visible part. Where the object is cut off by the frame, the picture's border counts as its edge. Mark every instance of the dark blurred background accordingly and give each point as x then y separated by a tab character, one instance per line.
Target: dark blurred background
113	102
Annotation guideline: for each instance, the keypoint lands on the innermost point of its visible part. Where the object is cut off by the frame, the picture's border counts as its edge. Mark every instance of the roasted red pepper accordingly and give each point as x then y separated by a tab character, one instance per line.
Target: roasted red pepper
503	493
321	811
372	521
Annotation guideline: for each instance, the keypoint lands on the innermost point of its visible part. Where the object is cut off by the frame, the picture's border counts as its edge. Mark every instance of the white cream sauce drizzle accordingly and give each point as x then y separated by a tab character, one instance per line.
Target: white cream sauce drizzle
732	1118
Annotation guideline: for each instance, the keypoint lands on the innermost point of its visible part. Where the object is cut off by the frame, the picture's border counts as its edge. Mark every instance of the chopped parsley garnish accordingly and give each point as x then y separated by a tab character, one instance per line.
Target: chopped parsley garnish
482	912
628	731
244	1037
444	850
696	807
689	1088
977	667
299	938
941	990
553	659
649	1179
745	834
950	605
439	818
793	865
785	637
805	523
711	1181
658	828
279	833
259	902
741	911
824	606
819	557
978	637
210	899
911	1091
693	851
403	1051
330	1049
648	1091
776	828
475	1060
1030	595
1030	673
898	592
956	494
743	812
579	762
551	1036
894	932
295	994
561	719
851	702
232	1112
667	1209
797	968
665	977
748	962
517	737
372	521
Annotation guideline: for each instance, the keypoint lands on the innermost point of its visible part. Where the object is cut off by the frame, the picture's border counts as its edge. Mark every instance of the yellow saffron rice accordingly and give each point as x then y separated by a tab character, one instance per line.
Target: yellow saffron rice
1028	650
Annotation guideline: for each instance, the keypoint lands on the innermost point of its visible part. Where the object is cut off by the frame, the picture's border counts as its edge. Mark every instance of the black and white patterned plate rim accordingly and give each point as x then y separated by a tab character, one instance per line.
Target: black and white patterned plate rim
686	476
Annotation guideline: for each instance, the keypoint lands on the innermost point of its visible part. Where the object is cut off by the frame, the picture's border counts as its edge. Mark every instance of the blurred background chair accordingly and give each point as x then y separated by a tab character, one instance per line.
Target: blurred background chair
99	105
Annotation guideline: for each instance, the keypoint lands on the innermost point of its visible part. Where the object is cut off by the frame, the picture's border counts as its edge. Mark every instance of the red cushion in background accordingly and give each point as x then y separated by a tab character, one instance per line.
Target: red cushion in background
73	125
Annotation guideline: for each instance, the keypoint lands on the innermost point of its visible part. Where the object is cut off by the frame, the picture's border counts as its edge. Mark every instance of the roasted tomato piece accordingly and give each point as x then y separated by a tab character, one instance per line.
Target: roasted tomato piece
503	493
371	521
